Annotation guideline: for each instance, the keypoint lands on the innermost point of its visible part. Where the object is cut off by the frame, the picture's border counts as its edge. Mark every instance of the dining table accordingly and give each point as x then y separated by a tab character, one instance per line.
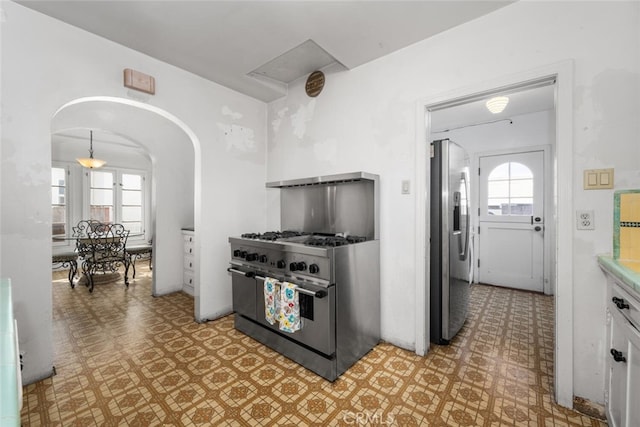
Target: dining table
105	277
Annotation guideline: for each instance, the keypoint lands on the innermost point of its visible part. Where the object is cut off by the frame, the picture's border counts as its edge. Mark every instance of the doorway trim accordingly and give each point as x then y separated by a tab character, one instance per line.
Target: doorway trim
562	208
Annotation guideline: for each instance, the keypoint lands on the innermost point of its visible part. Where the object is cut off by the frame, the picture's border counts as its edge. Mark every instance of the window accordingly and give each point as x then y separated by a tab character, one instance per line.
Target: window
510	190
101	197
117	195
111	195
58	201
132	196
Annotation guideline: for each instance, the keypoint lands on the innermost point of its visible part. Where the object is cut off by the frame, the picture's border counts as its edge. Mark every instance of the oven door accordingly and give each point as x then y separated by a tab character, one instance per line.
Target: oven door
317	312
243	290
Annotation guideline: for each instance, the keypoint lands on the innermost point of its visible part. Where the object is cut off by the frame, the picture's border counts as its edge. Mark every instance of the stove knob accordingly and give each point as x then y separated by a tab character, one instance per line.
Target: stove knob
281	264
293	266
237	253
314	269
301	266
243	254
262	258
252	257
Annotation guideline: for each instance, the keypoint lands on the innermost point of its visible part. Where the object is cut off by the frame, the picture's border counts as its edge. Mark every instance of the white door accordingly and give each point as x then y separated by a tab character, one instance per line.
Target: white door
511	208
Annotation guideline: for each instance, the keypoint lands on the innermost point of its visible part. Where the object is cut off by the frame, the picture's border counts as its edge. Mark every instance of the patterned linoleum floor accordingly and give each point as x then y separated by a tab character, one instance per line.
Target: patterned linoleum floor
125	358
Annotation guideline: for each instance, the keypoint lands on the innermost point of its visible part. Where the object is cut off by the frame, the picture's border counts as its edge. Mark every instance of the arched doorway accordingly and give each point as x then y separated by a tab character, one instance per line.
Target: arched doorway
174	151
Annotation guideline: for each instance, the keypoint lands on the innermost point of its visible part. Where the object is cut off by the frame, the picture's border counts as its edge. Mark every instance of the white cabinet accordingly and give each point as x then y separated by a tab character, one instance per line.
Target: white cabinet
622	395
188	276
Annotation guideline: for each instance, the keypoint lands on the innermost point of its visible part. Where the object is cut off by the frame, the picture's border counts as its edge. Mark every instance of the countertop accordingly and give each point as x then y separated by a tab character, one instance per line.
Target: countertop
9	367
627	272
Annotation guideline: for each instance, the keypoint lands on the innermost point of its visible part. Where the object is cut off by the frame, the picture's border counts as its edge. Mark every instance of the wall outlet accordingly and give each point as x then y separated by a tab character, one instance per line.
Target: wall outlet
585	220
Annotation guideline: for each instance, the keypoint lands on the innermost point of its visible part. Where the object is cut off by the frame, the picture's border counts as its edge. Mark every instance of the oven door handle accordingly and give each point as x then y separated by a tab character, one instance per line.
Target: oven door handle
244	273
315	294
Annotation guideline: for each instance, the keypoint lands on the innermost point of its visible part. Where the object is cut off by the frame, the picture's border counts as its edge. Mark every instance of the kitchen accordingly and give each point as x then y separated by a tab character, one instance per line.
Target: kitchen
365	119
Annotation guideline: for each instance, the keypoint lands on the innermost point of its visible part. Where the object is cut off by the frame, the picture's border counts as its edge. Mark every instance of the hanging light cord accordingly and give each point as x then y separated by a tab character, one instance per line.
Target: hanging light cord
474	124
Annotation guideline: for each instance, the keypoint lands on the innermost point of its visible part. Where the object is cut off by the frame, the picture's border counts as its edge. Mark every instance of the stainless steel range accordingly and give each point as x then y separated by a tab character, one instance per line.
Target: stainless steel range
330	256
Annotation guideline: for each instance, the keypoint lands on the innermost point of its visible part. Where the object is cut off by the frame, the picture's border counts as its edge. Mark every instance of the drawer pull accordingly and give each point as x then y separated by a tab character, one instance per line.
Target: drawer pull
619	302
617	355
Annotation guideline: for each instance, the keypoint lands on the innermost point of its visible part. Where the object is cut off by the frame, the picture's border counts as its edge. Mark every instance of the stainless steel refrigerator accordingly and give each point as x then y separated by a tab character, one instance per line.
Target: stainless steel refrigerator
450	230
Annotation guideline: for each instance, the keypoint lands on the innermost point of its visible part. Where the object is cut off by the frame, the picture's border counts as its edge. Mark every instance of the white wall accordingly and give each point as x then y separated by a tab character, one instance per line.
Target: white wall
365	120
46	64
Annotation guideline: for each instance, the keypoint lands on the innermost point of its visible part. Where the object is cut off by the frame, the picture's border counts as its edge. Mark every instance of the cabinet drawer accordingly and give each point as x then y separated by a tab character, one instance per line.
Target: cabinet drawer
188	278
626	304
188	262
188	248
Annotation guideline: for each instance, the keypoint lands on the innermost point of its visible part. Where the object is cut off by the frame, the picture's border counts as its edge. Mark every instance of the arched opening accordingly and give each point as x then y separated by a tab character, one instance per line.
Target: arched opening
174	154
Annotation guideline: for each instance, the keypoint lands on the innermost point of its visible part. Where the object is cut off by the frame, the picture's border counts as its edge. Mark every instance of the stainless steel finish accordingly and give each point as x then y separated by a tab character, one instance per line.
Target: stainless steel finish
318	333
316	294
345	203
338	286
346	312
326	179
449	287
357	270
233	270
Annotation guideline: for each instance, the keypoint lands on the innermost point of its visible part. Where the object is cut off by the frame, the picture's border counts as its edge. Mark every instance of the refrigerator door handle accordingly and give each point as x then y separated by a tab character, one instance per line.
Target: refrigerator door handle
463	249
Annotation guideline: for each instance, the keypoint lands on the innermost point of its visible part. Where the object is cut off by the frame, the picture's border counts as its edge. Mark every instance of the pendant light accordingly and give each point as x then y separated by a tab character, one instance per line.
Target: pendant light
90	162
497	104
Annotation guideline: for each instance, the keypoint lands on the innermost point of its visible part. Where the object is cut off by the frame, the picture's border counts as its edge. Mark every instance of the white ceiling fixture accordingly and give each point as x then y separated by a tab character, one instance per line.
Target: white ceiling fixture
497	104
253	47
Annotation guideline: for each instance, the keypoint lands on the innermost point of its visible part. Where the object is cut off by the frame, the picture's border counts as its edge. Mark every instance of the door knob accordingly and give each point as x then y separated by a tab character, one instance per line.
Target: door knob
537	228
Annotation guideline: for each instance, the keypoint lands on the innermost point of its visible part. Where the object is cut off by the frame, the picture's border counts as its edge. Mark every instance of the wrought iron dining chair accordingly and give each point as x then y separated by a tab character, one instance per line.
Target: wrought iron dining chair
140	252
102	248
64	260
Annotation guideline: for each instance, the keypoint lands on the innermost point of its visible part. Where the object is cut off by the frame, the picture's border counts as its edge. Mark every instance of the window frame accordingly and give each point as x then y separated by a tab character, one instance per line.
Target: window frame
77	191
68	197
117	197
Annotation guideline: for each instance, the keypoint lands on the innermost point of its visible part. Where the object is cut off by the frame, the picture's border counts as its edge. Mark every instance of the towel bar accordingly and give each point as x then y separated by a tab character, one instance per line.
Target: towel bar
316	294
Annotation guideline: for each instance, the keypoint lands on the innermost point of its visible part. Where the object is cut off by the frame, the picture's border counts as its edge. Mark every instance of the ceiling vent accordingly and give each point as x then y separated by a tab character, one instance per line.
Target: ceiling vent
297	62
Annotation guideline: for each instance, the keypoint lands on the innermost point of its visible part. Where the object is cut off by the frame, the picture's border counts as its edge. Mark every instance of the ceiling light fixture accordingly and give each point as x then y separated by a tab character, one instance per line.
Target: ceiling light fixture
497	104
90	162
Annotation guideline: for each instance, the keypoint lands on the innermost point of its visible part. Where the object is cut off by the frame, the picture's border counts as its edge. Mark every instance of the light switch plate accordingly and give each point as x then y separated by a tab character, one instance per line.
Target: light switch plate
406	186
598	179
585	220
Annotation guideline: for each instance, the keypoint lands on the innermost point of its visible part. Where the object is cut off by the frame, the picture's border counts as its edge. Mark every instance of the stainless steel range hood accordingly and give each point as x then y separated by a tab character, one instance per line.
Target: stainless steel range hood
327	179
342	203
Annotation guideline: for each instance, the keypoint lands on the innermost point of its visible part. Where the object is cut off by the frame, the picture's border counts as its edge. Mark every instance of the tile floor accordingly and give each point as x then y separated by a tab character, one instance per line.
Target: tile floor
125	358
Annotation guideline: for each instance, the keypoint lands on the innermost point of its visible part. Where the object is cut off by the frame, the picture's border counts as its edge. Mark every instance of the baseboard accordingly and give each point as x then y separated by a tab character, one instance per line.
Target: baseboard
587	407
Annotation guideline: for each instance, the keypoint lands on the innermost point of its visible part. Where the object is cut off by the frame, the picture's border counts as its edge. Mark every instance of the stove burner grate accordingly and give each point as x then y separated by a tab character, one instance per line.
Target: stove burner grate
333	241
273	235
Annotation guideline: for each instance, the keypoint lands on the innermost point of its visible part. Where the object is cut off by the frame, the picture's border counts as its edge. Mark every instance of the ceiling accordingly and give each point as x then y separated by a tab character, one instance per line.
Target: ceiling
258	47
538	96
